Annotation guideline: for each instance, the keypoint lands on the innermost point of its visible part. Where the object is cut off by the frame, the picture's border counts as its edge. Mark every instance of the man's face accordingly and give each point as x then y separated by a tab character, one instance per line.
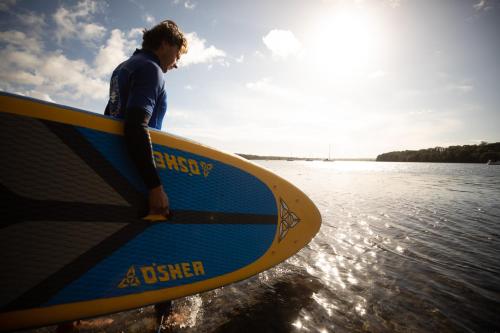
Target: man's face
169	55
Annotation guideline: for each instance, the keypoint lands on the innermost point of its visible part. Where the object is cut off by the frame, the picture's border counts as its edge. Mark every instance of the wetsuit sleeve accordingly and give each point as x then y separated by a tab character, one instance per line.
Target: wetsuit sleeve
139	146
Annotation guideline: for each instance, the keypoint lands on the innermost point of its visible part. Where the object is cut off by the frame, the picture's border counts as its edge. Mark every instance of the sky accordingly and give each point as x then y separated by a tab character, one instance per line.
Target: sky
288	78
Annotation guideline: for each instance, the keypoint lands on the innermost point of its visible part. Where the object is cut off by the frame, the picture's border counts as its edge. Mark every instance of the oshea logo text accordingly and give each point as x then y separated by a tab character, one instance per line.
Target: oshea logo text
161	273
182	164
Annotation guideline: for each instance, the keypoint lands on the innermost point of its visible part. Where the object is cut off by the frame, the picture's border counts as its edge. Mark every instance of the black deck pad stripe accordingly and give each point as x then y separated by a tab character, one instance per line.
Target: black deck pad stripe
195	217
101	166
16	209
45	290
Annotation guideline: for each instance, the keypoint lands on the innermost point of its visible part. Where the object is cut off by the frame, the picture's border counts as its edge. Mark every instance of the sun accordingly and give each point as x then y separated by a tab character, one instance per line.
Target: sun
346	40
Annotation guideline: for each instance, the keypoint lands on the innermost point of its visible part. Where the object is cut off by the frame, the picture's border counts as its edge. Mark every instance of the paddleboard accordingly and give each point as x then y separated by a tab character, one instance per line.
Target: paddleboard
73	242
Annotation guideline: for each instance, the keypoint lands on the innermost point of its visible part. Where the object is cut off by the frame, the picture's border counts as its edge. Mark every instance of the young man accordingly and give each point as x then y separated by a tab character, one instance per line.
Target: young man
137	95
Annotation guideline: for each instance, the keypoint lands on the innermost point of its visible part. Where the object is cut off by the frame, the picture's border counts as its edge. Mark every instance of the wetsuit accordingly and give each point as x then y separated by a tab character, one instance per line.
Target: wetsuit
137	95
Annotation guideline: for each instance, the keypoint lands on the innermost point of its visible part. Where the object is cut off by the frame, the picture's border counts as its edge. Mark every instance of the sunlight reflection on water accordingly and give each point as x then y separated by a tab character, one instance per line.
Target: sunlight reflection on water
377	253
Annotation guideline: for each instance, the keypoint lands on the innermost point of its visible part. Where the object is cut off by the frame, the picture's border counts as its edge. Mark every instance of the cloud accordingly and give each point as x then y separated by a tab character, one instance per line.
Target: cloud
483	5
461	87
116	50
265	85
40	95
36	22
420	112
149	18
72	78
188	4
282	43
28	69
134	33
6	4
21	59
394	3
198	53
49	74
21	77
259	55
74	22
240	59
34	25
20	40
92	31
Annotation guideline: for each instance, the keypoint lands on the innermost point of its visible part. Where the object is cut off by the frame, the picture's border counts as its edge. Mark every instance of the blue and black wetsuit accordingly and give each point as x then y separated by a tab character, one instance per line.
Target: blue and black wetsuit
137	95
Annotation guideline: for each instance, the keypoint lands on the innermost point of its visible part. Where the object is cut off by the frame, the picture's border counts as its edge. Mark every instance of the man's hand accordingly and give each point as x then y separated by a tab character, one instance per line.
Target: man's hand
158	202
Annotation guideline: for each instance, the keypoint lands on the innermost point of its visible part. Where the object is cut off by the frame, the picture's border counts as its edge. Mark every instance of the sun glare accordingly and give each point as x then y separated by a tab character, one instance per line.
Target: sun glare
346	40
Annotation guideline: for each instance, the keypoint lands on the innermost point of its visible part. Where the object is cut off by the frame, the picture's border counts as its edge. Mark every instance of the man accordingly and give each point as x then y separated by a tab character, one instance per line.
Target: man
137	95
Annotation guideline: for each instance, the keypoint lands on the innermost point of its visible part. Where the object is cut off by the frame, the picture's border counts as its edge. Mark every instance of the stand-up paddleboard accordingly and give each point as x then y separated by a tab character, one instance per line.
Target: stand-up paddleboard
72	240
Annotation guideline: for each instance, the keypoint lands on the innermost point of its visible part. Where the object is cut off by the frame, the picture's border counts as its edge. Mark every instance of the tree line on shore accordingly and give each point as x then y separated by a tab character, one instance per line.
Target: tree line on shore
481	153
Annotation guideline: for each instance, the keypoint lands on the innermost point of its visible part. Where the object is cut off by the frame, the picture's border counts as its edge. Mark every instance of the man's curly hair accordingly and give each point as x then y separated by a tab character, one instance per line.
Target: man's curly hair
165	31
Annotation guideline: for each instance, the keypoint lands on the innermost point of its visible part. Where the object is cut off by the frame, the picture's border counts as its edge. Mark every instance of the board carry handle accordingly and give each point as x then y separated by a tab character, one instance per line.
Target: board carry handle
155	218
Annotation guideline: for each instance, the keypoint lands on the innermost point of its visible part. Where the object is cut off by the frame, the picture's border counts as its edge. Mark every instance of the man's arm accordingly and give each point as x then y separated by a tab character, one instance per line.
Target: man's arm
139	146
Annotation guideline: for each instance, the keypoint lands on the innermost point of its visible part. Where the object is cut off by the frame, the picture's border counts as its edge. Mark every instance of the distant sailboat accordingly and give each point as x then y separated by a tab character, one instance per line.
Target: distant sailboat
329	159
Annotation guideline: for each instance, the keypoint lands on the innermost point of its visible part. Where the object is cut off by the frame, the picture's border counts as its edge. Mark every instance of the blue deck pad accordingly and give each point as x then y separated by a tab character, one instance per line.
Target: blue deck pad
221	249
192	182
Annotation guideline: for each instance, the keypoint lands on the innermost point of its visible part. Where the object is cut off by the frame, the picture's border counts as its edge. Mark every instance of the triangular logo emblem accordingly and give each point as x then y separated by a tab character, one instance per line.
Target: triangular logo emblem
288	219
130	279
206	167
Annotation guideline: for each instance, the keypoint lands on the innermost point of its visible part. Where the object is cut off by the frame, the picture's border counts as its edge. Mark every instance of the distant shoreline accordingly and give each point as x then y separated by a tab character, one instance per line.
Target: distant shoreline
481	153
289	158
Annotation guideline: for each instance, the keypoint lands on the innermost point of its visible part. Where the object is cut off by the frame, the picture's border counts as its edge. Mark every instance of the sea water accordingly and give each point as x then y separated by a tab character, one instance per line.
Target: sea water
404	247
